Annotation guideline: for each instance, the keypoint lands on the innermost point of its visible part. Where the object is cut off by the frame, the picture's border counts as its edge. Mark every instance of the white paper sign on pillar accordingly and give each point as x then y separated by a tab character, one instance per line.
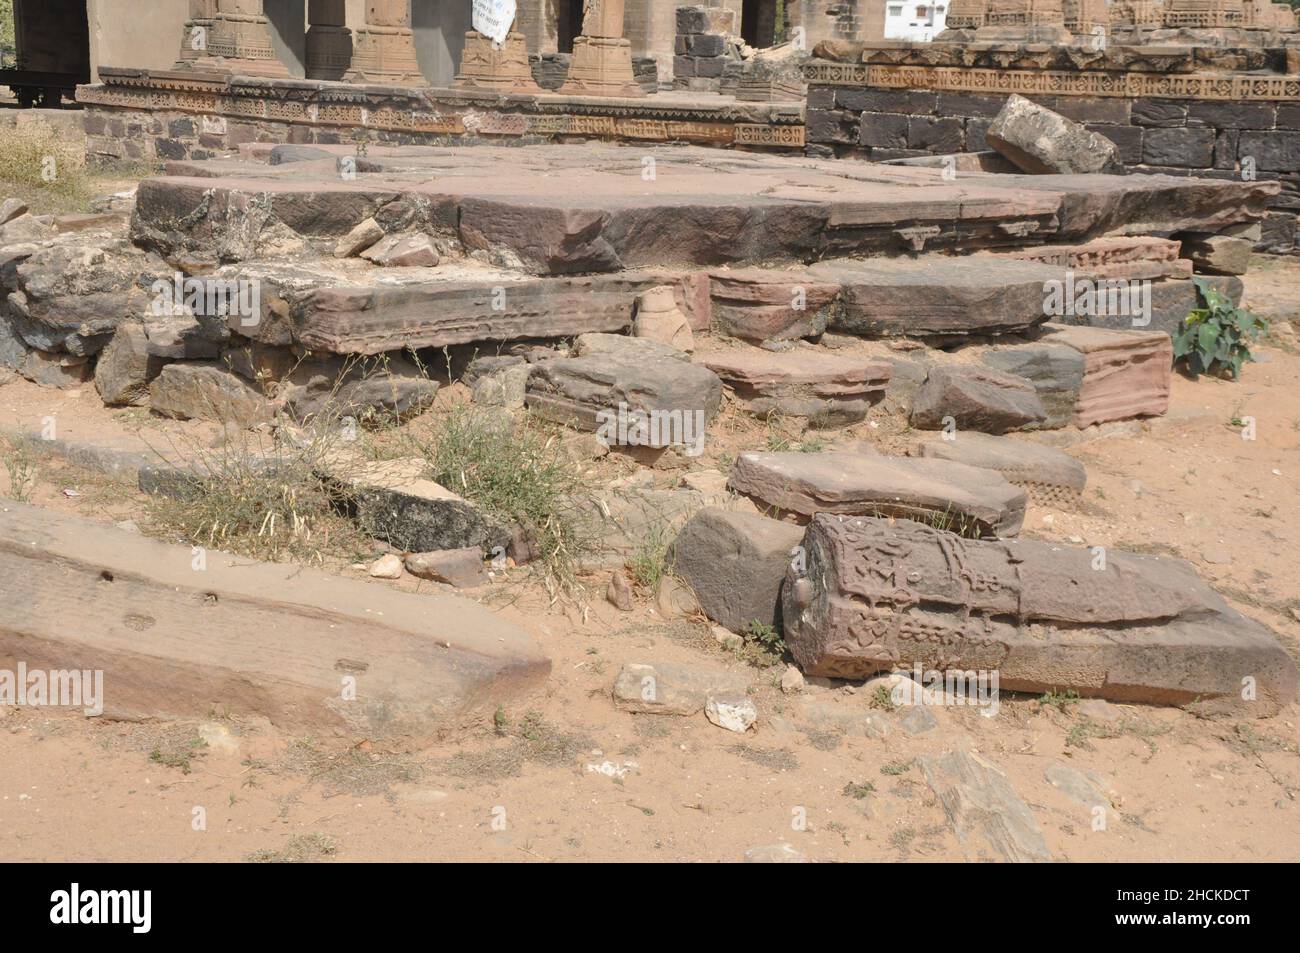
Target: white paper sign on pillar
493	18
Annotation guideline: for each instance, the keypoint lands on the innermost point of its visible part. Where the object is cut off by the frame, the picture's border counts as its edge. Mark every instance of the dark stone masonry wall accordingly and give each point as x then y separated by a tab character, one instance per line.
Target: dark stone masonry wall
1215	139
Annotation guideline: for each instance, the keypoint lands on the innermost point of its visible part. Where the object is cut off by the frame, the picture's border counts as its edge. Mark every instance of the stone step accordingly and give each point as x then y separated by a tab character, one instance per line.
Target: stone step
279	641
558	210
1126	374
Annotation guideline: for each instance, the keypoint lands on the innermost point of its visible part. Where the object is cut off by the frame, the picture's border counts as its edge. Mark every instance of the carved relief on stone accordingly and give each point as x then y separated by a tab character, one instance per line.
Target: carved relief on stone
1137	14
966	14
385	47
1204	14
602	60
1026	21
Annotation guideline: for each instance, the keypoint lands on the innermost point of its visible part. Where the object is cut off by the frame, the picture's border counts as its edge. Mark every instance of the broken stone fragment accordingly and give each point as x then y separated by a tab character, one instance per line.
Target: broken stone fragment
505	388
664	688
125	368
1040	141
1126	374
1055	370
386	567
1047	474
735	563
10	209
366	234
72	297
394	502
403	251
390	386
461	568
757	304
625	347
1218	254
618	593
731	711
632	396
942	297
882	594
844	482
970	397
659	319
208	391
828	389
13	349
986	814
63	371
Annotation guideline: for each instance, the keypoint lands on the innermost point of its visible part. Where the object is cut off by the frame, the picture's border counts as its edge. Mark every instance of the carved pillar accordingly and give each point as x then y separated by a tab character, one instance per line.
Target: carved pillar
239	41
384	51
197	32
505	68
329	41
602	58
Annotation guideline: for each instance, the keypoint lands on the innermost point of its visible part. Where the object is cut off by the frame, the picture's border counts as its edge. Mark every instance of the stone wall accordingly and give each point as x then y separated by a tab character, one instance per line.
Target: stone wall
1229	126
172	116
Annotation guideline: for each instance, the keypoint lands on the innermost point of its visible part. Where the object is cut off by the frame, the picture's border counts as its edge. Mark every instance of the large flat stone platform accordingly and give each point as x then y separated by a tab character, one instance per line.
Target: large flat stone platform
554	210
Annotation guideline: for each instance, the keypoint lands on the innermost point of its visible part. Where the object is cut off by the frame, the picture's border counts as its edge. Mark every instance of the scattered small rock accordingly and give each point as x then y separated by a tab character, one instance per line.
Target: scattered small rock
732	712
387	567
619	593
792	681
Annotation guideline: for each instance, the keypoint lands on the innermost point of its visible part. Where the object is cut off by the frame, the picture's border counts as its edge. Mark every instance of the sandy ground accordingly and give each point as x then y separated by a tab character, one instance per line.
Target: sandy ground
568	777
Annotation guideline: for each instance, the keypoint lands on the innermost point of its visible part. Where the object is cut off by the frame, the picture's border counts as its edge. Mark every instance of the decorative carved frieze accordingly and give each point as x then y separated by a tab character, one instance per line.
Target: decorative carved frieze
1216	86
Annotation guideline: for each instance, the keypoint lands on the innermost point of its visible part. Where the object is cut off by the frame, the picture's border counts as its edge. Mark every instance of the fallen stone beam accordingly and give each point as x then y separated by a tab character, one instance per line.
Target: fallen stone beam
876	594
869	484
280	641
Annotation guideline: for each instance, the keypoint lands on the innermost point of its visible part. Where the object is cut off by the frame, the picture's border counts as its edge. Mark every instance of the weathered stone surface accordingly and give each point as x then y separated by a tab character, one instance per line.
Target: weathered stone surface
208	391
125	368
659	319
986	814
828	389
63	371
13	349
761	305
391	387
1133	258
1041	141
938	297
1056	371
558	210
403	251
842	482
1218	254
1048	475
1126	373
506	388
880	594
10	209
462	568
257	639
184	337
396	503
735	563
659	397
72	297
976	398
371	319
731	711
663	688
623	347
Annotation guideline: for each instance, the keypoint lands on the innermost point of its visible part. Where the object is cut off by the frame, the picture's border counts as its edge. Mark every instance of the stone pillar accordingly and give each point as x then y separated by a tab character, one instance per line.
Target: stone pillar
329	41
504	69
384	51
602	58
197	32
235	39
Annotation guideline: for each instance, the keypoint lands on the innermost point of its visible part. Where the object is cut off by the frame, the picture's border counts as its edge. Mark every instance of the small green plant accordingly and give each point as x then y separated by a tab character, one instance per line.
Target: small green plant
21	464
649	564
1216	339
882	698
895	768
767	637
1059	700
521	477
858	791
180	754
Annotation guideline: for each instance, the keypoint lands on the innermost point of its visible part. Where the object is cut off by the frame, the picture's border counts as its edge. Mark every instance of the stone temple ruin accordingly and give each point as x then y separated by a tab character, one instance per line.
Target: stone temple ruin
991	237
